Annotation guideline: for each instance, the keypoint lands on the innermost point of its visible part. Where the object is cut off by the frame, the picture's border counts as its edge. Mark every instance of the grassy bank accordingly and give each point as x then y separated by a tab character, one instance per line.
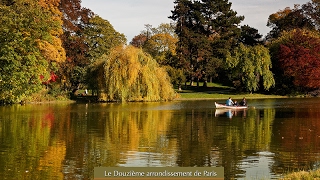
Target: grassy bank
226	95
217	91
302	175
212	91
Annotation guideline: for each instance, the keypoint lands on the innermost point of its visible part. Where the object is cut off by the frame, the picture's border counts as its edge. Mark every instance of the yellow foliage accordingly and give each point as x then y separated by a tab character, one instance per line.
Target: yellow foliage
52	51
129	74
52	6
137	128
53	159
280	14
315	174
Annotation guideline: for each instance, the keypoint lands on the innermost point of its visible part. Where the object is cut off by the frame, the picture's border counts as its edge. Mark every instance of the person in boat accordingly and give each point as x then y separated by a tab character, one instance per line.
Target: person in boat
243	102
235	103
229	102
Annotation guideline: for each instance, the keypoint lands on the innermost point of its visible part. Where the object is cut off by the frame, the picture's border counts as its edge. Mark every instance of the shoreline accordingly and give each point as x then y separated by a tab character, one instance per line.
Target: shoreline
182	97
200	99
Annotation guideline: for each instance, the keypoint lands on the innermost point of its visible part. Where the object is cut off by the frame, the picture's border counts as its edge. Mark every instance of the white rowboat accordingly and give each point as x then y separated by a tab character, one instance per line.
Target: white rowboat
220	106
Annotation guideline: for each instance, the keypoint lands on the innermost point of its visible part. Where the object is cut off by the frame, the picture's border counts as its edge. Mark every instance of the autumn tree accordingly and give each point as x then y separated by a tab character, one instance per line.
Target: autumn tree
139	40
101	38
289	19
251	67
160	43
7	2
53	50
206	30
75	19
86	37
28	26
311	10
129	74
296	60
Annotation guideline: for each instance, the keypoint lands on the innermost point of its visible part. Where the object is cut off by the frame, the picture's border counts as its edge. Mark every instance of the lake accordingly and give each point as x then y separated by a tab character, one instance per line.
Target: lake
66	141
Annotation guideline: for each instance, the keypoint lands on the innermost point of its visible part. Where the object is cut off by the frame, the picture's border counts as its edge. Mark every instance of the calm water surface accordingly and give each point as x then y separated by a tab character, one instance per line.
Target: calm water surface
66	141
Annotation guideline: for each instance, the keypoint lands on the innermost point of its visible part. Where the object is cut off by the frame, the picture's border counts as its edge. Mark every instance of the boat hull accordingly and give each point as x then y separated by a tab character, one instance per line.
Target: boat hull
222	106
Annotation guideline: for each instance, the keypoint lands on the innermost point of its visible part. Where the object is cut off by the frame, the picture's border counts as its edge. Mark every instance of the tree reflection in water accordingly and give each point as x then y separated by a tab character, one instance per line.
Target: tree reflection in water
69	140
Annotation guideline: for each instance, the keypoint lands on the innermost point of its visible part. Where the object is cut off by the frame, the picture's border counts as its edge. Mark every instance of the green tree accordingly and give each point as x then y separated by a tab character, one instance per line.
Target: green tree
101	37
250	36
26	28
206	30
86	37
129	74
251	65
161	43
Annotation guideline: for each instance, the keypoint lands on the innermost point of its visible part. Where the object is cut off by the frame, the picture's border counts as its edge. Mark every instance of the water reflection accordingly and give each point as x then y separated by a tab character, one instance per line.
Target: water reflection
230	112
66	141
297	137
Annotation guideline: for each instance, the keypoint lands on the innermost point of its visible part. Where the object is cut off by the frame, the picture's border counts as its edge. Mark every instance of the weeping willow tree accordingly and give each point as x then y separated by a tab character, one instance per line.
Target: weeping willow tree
250	67
129	74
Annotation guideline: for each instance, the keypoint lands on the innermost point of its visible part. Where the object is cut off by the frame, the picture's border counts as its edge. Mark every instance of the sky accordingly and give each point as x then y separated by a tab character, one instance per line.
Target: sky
130	16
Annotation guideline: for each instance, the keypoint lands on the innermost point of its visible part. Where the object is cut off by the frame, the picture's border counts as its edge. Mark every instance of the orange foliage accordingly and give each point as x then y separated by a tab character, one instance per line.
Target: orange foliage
52	160
51	5
139	40
53	50
280	14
